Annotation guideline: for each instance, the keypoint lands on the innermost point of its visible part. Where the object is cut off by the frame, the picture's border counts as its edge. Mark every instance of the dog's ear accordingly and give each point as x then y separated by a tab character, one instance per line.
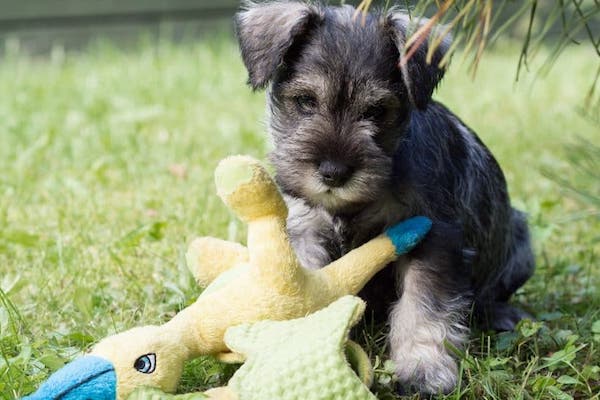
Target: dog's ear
420	77
267	31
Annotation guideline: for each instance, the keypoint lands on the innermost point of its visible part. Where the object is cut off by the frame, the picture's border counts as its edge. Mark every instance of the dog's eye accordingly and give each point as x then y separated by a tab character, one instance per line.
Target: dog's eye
374	113
306	104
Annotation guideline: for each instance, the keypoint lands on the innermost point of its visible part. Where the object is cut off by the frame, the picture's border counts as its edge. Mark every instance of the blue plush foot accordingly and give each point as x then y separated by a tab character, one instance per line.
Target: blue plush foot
407	234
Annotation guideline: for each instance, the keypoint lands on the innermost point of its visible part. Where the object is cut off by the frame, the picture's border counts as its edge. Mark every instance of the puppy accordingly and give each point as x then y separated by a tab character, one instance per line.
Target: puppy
358	146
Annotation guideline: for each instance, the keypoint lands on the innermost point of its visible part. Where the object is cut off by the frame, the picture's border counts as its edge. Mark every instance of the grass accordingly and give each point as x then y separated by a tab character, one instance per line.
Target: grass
106	174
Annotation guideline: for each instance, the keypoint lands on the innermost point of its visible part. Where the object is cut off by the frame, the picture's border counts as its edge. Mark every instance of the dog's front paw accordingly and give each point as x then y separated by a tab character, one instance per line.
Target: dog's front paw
428	370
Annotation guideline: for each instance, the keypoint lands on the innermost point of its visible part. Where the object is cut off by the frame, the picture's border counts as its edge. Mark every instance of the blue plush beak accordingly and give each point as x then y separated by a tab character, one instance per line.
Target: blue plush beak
407	234
86	378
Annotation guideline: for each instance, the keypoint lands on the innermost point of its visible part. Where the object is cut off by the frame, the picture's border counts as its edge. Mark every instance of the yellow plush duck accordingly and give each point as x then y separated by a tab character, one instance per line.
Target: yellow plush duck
247	284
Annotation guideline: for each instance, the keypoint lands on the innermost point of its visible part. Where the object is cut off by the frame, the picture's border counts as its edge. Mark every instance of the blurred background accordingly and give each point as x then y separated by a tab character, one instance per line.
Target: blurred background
40	26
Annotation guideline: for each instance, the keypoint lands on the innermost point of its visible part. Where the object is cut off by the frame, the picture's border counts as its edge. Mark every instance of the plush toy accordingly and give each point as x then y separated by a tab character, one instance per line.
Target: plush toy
263	281
301	358
307	358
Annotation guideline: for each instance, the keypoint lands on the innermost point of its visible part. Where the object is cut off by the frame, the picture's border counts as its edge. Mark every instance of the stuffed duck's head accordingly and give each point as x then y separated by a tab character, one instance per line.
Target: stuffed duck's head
145	356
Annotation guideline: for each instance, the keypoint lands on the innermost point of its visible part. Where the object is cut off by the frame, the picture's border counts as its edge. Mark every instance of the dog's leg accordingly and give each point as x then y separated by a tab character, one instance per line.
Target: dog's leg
311	231
431	313
422	323
492	306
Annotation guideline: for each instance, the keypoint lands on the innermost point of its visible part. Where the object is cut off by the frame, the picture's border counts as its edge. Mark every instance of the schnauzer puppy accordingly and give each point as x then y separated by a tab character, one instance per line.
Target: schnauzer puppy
358	146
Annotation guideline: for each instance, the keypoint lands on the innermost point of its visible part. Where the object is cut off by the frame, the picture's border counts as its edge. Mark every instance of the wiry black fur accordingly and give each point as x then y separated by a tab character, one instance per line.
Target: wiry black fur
342	91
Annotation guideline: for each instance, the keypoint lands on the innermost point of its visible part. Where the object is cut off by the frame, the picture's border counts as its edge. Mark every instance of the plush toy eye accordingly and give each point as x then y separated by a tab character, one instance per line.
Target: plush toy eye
146	364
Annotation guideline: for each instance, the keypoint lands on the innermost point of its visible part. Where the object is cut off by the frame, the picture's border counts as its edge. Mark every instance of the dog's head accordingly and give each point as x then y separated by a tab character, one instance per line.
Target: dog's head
339	97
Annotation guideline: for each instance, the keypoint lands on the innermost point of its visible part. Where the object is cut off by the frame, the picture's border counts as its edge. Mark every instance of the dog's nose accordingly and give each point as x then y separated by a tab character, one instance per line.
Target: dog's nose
334	173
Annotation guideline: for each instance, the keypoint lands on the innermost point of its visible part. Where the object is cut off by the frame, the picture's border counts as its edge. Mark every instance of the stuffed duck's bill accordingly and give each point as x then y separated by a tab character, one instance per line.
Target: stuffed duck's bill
88	377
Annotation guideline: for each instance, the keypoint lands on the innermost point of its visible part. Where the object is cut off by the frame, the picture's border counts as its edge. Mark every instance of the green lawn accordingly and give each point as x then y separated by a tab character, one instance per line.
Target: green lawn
106	162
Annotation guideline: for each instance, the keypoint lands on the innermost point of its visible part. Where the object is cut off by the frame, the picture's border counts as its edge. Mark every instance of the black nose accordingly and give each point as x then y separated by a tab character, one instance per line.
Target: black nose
334	173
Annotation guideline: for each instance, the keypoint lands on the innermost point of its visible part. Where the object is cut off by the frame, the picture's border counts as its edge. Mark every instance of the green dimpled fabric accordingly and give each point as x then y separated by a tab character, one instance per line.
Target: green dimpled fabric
301	359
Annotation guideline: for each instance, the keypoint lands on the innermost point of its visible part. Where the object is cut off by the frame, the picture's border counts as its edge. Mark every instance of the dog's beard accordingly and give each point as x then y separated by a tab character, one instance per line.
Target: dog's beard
298	175
362	188
299	151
